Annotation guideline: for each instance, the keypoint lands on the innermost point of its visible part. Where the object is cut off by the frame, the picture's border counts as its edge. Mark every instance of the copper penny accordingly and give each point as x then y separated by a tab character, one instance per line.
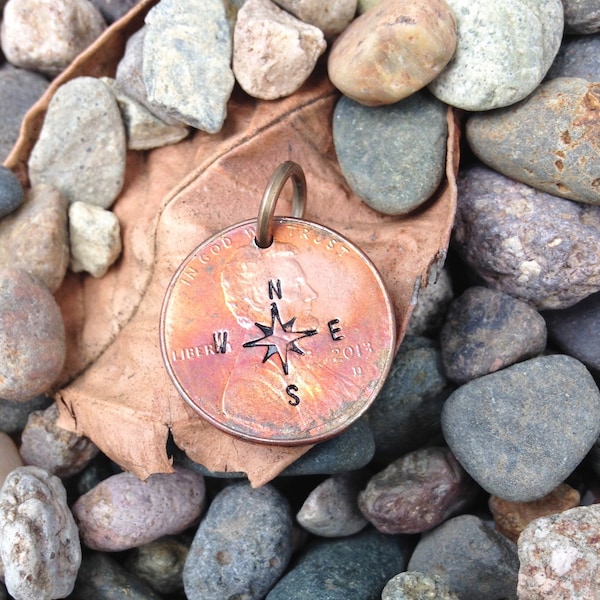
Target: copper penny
286	344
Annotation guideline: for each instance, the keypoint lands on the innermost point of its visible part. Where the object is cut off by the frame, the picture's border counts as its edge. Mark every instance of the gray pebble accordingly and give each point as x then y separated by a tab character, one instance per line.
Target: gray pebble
11	192
186	61
19	90
582	16
412	585
39	542
81	147
14	415
529	244
522	431
352	567
547	141
113	10
242	545
503	52
407	411
392	156
475	562
432	303
486	330
578	57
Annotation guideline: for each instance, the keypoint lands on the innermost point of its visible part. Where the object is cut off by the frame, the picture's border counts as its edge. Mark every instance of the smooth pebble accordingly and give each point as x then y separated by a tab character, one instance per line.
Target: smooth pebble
11	192
331	17
582	16
413	585
578	56
432	304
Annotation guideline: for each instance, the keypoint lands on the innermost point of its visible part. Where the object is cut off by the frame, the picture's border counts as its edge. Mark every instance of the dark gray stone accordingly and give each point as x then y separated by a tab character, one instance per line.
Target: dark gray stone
522	431
578	57
11	192
113	10
432	304
529	244
242	546
356	567
487	330
473	560
406	413
19	90
582	16
548	140
14	415
377	147
576	330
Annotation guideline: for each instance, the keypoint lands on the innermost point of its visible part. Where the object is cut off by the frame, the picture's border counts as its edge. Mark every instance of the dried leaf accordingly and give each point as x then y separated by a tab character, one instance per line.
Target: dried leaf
115	389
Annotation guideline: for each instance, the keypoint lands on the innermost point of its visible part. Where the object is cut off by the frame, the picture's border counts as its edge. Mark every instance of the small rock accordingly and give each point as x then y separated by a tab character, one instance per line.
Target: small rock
575	330
582	16
144	130
186	61
46	35
160	564
273	52
10	458
560	556
95	236
123	512
473	560
412	585
81	147
14	415
520	432
19	90
242	546
417	492
512	517
32	336
39	542
392	51
377	147
432	303
529	244
487	330
35	237
113	10
547	141
406	414
578	57
11	192
102	578
330	17
331	509
364	5
58	451
360	564
502	53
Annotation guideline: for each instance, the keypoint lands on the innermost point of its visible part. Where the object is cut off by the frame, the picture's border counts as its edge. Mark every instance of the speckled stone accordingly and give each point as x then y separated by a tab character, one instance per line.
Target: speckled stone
560	556
273	52
521	431
331	17
412	585
582	16
578	56
333	569
417	492
406	413
186	61
14	415
512	517
391	52
242	546
432	304
11	192
377	146
502	54
32	336
81	147
35	237
123	512
576	330
10	458
534	246
548	141
113	10
19	90
486	330
331	509
46	35
473	560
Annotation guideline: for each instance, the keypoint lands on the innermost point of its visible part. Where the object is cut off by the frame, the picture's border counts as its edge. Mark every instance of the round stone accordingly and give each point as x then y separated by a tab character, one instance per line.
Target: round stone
392	51
331	17
582	16
520	432
377	147
32	336
579	56
11	192
412	585
502	53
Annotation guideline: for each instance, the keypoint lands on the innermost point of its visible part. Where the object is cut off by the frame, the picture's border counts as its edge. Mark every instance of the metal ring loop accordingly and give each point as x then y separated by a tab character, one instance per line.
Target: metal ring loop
264	226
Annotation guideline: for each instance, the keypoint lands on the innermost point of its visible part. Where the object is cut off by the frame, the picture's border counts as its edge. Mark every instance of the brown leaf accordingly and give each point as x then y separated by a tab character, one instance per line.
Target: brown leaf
115	388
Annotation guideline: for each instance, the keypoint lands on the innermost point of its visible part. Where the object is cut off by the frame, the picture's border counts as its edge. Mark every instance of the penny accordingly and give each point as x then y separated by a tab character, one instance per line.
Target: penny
287	344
